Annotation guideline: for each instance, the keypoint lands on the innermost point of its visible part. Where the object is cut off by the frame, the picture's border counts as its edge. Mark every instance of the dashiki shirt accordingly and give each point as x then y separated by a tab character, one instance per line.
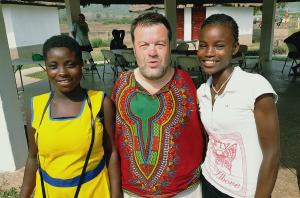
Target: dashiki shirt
159	137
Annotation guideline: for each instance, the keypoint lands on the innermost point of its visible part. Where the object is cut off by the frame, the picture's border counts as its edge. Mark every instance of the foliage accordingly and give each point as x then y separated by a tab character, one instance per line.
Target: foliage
10	193
98	42
123	20
279	49
281	5
39	75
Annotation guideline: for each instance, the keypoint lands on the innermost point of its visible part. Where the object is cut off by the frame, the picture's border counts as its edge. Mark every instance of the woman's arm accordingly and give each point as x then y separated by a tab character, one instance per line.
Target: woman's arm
110	148
31	163
267	124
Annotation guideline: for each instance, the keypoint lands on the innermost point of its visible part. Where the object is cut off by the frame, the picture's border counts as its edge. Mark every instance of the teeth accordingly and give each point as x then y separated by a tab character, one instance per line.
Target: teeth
209	62
64	81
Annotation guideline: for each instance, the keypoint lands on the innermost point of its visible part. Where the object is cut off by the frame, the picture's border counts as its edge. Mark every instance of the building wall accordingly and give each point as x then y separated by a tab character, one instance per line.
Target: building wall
28	27
198	16
180	24
243	17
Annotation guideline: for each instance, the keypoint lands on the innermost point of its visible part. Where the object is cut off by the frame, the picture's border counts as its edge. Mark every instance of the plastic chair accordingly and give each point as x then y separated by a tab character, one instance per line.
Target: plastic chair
111	60
293	54
129	58
88	68
240	57
182	46
192	65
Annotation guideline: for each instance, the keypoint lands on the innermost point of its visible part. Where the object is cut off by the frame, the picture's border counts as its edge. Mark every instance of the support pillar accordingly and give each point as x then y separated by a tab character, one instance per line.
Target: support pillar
267	34
72	9
13	152
187	24
170	9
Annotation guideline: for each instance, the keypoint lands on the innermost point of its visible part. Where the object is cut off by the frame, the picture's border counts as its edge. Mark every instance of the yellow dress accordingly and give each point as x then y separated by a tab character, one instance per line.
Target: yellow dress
63	145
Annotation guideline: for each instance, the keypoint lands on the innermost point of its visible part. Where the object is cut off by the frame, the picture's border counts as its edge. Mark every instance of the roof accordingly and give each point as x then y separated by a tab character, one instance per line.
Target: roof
108	2
49	3
199	2
146	7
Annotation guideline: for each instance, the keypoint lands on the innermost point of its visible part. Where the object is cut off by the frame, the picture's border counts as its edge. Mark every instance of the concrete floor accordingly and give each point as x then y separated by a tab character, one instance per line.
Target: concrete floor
288	89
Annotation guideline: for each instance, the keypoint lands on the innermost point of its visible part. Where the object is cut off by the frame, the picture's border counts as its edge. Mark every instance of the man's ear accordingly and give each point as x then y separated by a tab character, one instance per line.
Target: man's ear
236	48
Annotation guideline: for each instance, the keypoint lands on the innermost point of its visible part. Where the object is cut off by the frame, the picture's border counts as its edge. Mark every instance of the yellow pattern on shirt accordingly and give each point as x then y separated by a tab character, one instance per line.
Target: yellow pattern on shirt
63	145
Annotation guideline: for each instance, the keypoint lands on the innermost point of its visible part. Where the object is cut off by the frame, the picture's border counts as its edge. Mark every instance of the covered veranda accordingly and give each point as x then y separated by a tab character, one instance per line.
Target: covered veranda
13	141
287	87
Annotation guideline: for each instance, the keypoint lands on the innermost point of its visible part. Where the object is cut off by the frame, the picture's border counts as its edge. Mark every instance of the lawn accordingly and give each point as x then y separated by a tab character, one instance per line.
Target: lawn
43	75
9	193
39	75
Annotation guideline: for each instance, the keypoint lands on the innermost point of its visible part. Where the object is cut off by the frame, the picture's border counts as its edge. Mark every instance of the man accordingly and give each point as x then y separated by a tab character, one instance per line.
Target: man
80	33
158	132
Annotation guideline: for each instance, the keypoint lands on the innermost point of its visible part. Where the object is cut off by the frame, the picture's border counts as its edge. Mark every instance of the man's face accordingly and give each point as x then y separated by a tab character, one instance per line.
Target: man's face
152	50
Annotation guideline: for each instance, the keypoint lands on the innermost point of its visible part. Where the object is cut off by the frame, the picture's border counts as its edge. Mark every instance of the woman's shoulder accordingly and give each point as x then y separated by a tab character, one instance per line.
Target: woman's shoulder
41	97
96	93
251	79
255	84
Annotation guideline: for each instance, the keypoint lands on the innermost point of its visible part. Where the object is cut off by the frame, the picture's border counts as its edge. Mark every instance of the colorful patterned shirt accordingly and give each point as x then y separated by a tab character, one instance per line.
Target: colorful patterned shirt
159	137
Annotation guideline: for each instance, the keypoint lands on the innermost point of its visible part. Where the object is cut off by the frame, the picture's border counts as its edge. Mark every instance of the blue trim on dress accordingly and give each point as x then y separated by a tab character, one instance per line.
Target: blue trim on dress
31	109
67	118
89	175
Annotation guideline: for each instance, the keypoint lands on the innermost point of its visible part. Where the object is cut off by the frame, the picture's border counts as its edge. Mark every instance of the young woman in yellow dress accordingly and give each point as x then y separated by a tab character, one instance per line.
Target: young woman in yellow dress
70	132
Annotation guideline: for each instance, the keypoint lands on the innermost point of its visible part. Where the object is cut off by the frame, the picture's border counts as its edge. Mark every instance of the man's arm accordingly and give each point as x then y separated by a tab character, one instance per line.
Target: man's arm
267	124
110	148
122	34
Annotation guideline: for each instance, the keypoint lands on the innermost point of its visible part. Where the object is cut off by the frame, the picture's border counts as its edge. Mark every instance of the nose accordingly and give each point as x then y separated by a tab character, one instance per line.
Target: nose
210	51
152	50
62	71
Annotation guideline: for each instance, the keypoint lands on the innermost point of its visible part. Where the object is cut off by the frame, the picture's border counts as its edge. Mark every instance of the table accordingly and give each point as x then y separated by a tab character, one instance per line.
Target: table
18	63
120	51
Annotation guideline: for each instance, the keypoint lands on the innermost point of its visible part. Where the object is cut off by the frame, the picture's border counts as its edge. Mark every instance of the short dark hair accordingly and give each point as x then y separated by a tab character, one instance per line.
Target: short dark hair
148	19
62	41
115	33
224	20
81	15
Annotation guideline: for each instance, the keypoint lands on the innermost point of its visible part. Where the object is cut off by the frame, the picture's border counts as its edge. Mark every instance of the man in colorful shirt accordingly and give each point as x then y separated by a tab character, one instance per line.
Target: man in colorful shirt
158	132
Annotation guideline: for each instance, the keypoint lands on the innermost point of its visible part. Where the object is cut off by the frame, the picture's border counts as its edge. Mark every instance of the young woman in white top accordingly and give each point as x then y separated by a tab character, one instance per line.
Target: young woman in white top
239	114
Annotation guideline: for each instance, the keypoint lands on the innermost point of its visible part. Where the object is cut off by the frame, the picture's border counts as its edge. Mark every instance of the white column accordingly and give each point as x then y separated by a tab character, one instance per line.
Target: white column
187	24
267	33
13	146
170	9
72	9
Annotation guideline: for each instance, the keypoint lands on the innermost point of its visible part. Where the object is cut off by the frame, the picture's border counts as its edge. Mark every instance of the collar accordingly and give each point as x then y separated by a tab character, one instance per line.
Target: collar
139	88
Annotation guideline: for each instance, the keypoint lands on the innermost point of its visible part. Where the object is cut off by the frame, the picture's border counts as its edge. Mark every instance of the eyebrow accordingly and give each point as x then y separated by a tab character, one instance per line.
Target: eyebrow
160	41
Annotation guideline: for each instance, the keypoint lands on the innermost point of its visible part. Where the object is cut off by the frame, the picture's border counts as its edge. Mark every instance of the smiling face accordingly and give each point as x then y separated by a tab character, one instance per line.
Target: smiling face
216	48
152	50
64	69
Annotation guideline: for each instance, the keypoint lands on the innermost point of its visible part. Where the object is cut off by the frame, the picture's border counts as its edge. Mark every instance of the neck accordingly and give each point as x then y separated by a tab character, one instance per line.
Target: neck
76	94
154	85
219	78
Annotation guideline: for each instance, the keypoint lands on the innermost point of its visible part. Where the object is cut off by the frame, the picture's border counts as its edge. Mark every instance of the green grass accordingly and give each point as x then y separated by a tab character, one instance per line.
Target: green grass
43	75
29	66
279	57
9	193
39	75
98	42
